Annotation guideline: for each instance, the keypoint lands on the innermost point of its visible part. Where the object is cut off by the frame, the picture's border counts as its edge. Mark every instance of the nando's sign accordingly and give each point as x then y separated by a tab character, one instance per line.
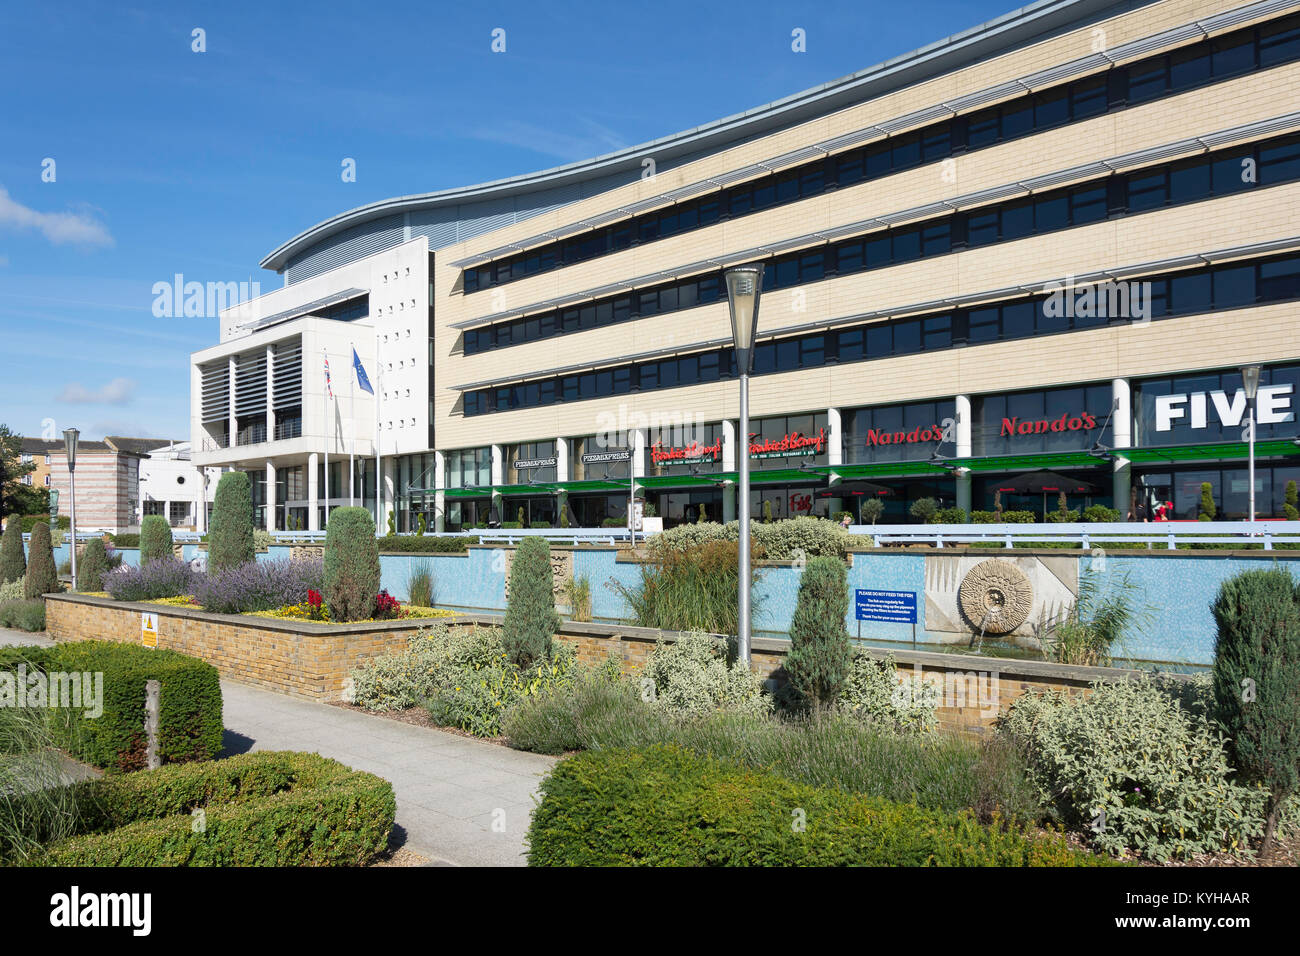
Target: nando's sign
1011	427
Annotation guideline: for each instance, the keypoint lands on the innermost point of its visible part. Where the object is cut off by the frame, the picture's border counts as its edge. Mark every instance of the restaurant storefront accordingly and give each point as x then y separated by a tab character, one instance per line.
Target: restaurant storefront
684	474
1193	430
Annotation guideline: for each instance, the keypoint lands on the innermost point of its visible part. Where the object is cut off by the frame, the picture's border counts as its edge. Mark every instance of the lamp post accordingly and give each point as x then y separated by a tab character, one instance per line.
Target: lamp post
1250	382
70	436
744	286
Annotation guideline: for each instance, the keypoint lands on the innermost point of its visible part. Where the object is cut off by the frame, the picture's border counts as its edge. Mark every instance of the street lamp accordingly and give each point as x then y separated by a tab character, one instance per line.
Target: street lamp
744	286
1250	382
70	436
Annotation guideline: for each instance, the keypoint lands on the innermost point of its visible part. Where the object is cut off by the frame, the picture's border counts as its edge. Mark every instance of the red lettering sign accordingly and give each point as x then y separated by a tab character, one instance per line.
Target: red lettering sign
695	451
792	443
877	436
1066	423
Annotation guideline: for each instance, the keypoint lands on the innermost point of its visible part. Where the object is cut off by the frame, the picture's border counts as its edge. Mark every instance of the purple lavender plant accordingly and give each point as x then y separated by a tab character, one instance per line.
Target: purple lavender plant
159	579
257	586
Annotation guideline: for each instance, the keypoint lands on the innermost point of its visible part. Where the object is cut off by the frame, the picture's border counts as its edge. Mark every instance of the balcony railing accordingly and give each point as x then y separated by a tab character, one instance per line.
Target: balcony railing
252	435
289	428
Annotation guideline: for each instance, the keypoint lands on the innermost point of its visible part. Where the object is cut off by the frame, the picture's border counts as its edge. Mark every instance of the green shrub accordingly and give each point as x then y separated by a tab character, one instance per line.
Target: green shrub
950	516
983	517
691	677
259	809
36	808
155	539
873	693
531	619
668	806
1135	768
41	576
11	591
189	723
767	511
413	543
29	522
1257	682
1207	510
351	565
25	615
13	562
1290	511
1100	513
477	699
126	540
92	565
230	536
597	705
1017	517
435	657
420	587
796	538
818	662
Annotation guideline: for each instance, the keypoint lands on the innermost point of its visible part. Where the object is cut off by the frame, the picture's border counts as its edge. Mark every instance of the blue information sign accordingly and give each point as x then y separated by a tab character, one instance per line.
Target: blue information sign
896	607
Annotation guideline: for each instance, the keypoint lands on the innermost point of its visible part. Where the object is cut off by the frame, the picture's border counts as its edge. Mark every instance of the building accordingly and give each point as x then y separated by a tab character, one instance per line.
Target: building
108	482
1048	242
171	486
36	452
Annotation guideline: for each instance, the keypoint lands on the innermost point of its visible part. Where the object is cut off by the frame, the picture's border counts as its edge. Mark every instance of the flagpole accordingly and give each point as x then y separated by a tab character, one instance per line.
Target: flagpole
325	398
379	457
352	445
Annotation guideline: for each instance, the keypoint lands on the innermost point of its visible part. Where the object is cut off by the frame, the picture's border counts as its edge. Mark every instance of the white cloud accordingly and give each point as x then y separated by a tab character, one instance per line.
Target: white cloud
117	392
80	228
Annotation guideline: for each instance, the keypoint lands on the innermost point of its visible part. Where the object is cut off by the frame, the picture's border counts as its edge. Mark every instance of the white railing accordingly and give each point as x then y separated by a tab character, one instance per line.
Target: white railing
1162	534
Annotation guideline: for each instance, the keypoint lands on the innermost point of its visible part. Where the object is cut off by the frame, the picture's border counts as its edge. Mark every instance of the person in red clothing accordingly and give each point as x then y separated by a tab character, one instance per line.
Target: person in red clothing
1164	510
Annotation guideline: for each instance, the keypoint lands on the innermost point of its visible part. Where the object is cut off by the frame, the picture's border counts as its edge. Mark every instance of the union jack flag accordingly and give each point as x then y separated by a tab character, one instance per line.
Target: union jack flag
329	385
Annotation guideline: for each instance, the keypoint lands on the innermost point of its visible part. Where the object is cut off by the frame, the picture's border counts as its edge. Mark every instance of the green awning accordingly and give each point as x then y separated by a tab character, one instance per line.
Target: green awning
591	484
1050	459
684	481
882	469
1216	451
467	492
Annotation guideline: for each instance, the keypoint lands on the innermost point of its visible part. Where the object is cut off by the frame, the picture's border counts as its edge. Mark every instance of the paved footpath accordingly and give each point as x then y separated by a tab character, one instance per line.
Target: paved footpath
460	801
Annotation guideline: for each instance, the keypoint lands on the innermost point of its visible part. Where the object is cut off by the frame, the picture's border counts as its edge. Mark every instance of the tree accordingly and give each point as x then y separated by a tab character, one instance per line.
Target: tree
92	565
230	538
155	539
872	509
1290	511
351	565
12	469
1256	676
1207	511
819	658
531	618
13	563
924	510
767	512
42	576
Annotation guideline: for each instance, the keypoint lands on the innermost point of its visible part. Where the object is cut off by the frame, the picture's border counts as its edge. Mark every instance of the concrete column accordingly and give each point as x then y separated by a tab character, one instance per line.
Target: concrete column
313	493
233	422
834	454
498	478
270	496
440	498
270	393
638	445
729	459
1121	430
561	459
962	430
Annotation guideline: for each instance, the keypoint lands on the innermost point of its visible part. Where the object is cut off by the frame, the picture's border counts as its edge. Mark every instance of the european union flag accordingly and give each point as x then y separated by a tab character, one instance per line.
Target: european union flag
362	380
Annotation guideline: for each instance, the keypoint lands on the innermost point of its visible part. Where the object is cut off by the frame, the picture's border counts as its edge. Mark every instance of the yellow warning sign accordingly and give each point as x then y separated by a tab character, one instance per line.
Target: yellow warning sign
149	629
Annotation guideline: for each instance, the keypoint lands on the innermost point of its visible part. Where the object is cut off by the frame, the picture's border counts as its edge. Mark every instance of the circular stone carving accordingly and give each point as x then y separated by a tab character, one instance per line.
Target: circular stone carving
995	596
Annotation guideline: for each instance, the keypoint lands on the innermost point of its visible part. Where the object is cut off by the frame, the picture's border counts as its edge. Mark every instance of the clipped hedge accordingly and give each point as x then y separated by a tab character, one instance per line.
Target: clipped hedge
259	809
666	806
189	721
421	545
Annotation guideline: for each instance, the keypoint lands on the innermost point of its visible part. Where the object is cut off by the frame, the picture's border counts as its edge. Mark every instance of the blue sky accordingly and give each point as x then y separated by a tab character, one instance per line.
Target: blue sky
170	161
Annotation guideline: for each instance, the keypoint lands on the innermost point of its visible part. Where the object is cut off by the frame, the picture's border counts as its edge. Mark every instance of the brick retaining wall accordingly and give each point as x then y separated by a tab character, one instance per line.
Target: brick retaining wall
309	660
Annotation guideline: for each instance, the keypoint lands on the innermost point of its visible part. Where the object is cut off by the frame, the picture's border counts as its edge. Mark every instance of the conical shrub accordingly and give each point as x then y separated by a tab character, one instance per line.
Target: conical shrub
92	565
230	538
1256	673
531	618
819	658
351	565
13	563
156	539
42	575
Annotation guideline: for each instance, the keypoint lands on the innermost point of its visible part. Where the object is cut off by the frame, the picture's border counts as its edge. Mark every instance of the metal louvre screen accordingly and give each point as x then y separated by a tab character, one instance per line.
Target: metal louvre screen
216	392
250	384
286	388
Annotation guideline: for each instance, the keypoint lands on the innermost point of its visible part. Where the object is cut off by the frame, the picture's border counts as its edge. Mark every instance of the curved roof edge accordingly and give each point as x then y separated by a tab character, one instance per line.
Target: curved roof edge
996	36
